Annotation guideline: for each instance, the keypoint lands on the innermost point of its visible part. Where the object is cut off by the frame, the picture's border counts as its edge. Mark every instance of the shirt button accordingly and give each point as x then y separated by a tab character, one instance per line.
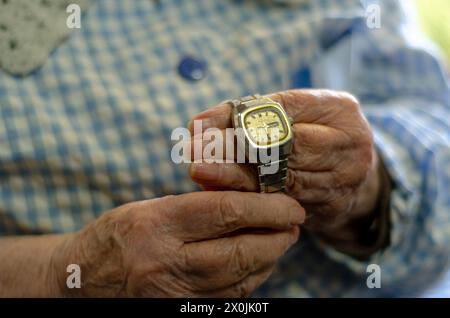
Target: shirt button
192	69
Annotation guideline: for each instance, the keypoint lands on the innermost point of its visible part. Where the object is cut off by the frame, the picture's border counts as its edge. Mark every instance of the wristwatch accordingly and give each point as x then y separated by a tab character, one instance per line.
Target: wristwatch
265	138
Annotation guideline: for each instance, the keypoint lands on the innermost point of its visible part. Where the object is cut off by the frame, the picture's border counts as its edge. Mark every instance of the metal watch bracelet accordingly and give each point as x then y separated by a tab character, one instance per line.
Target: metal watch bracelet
268	183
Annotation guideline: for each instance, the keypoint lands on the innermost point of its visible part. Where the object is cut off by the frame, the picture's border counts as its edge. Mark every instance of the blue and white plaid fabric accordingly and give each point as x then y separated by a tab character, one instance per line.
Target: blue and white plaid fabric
91	129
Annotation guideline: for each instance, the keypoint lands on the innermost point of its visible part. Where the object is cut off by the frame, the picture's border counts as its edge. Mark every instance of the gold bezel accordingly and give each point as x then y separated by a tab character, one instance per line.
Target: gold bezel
284	116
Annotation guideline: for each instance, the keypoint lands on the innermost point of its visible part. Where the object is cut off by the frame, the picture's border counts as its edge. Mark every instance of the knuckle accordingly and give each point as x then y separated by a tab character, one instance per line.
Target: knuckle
363	138
367	155
340	204
349	102
195	269
347	177
364	170
350	172
188	260
129	220
295	234
341	178
286	98
204	263
355	175
307	138
201	269
298	146
230	212
240	265
300	185
352	180
237	180
305	180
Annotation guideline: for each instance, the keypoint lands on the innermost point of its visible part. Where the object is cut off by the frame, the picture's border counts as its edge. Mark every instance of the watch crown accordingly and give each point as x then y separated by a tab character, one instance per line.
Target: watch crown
291	120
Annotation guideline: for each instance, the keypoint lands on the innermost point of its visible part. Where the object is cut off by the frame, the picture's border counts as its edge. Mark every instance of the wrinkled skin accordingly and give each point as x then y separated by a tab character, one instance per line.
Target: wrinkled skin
203	244
333	168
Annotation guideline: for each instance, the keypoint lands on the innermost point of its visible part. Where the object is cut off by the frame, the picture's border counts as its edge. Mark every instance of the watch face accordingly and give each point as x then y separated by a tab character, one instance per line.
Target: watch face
265	126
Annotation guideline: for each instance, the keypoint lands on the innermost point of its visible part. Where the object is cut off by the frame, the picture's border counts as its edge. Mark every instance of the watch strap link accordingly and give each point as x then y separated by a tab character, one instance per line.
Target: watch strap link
247	101
275	182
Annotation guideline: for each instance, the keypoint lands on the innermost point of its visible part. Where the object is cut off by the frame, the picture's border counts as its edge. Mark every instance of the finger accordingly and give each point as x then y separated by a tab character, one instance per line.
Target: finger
318	147
218	117
230	176
203	215
316	187
242	289
311	187
329	216
223	262
315	146
318	106
215	145
305	106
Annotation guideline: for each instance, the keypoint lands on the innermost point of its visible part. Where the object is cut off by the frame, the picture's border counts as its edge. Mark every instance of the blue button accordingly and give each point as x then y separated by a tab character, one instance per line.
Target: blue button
302	78
192	69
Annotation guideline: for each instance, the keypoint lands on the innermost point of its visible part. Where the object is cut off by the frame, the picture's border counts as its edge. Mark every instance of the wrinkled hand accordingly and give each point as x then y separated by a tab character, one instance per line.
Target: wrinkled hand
333	167
220	244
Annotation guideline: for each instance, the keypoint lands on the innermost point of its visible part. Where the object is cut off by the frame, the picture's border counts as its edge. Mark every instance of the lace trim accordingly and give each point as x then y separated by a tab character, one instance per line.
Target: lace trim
30	30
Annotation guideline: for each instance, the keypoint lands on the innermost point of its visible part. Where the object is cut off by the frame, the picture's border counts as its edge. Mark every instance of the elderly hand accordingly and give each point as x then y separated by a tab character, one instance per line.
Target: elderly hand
333	169
199	244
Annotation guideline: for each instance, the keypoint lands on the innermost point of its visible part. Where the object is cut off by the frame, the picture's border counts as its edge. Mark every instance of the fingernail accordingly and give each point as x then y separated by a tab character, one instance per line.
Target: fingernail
303	215
204	171
298	214
294	238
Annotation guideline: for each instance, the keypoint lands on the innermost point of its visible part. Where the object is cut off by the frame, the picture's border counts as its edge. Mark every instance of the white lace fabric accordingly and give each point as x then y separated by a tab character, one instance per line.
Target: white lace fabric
30	30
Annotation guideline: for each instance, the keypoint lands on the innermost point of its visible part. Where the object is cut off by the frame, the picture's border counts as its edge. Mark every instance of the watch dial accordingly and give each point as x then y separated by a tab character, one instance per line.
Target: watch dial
265	126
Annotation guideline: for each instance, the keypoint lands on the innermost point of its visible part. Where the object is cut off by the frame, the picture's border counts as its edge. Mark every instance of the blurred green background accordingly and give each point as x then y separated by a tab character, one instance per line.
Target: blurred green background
434	16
